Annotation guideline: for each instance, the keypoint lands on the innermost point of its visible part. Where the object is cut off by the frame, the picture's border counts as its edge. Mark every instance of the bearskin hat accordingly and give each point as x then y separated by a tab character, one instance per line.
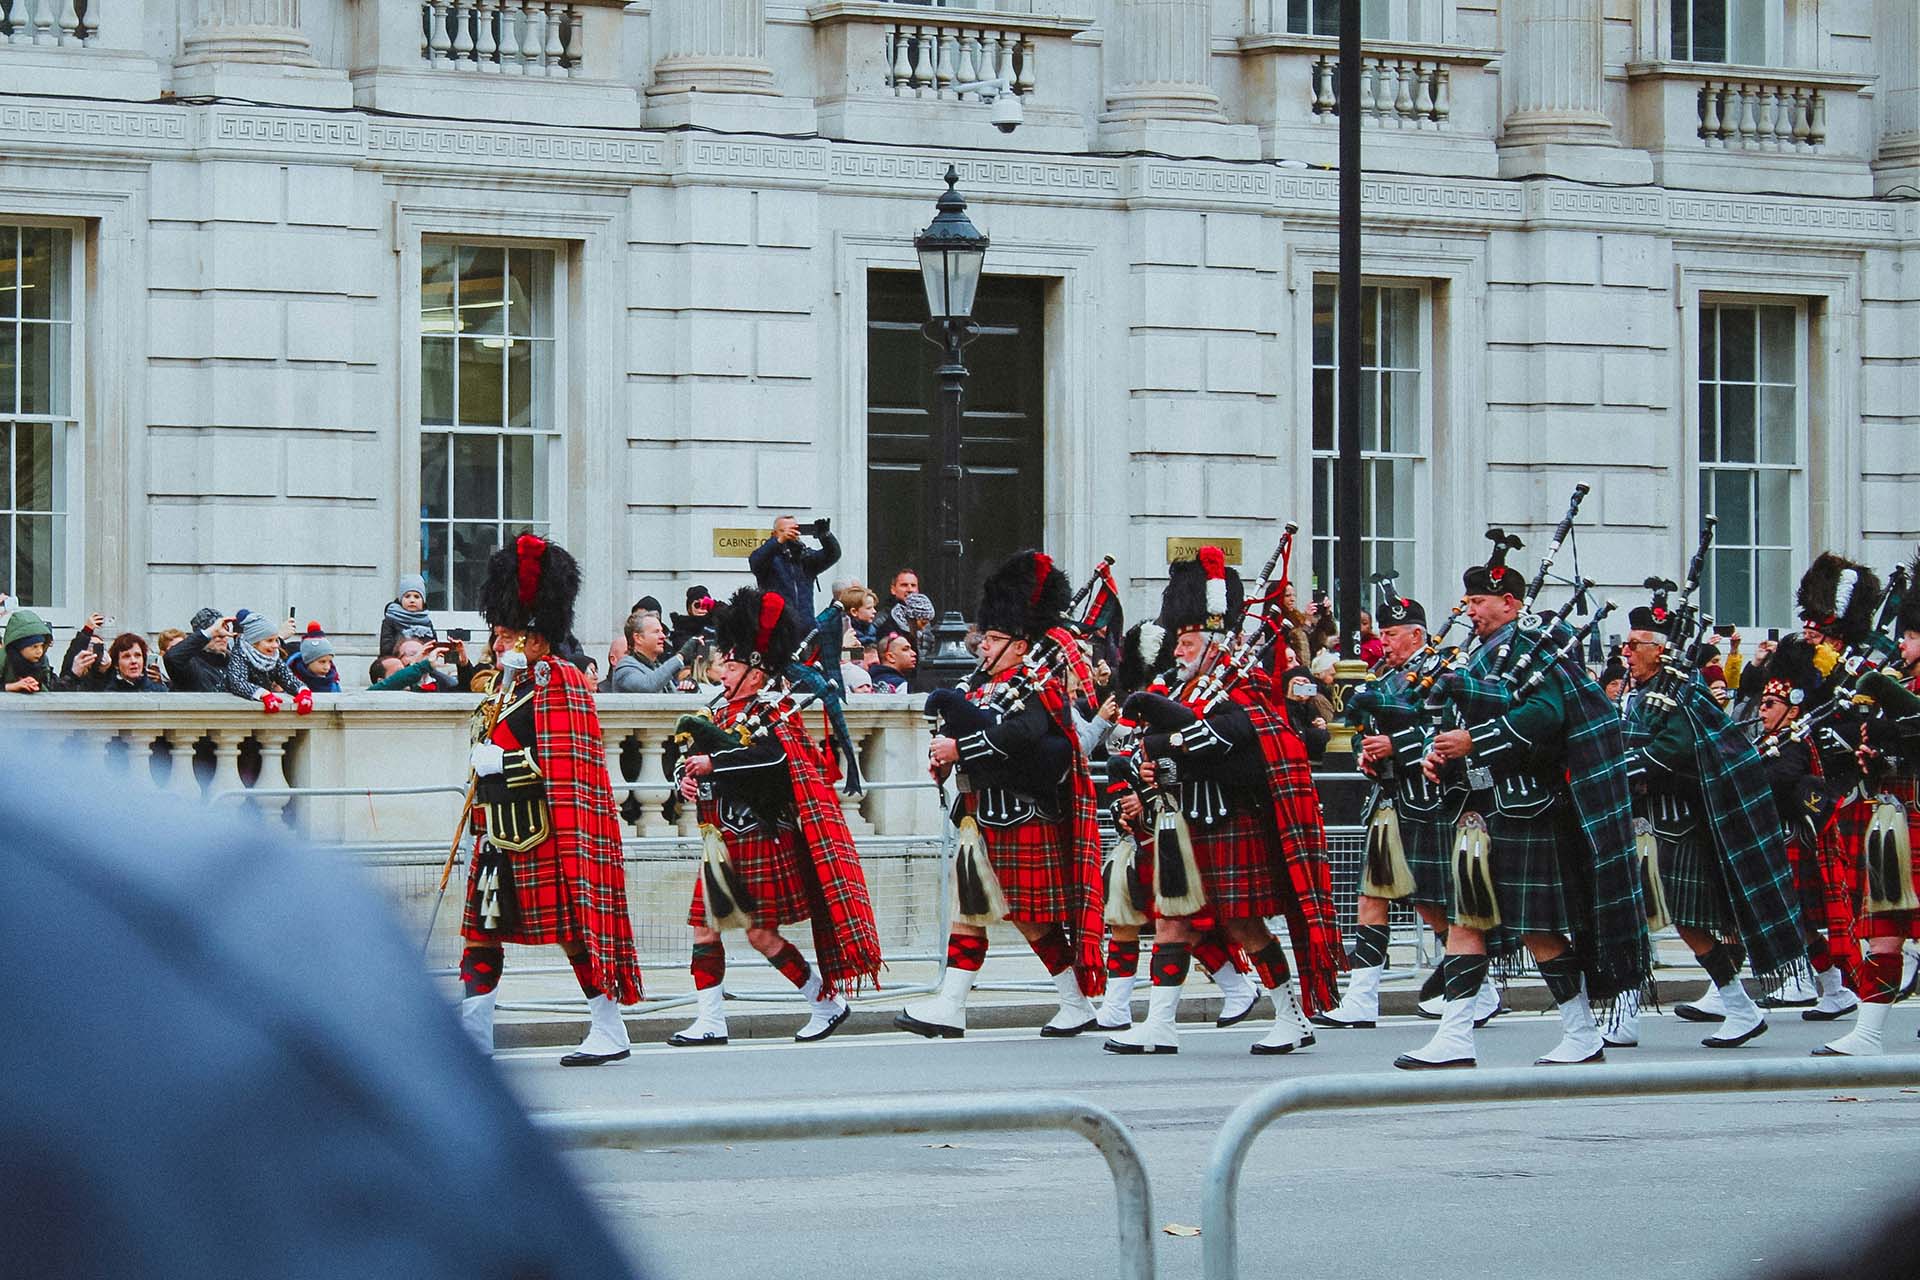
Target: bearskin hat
1202	594
1838	597
1793	671
1906	580
1025	597
1144	654
1496	577
531	586
758	628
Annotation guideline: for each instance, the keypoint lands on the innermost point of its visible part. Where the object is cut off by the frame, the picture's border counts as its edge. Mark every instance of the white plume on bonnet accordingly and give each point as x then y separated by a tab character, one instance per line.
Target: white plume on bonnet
1843	591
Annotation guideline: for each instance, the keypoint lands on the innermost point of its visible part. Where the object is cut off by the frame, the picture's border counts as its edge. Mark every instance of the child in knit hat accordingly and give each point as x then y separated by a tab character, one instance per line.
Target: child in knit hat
313	662
406	615
258	671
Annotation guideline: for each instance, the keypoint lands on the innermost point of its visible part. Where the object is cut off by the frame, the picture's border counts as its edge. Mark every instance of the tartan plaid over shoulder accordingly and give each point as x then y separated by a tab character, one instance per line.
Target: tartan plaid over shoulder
1319	955
572	756
1745	827
1081	847
1610	938
846	941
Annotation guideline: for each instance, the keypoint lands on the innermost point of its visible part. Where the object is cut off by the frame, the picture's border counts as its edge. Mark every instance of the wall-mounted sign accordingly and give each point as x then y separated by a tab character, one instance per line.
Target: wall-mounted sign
737	544
1189	548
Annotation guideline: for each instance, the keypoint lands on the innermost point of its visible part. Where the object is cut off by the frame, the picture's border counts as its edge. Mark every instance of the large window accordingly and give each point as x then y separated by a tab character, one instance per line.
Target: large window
1751	413
1720	31
1322	18
37	336
1392	429
488	408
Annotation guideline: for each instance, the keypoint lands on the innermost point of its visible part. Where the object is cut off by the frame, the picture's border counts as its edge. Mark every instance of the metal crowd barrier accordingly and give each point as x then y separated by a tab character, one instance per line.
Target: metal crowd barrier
1219	1205
802	1120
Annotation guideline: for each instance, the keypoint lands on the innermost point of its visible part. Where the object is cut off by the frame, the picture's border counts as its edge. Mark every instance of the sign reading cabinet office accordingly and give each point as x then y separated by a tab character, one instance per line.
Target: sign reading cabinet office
1189	548
736	544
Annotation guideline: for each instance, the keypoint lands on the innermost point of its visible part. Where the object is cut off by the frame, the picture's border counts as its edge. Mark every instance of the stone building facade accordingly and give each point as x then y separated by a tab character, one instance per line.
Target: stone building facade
307	292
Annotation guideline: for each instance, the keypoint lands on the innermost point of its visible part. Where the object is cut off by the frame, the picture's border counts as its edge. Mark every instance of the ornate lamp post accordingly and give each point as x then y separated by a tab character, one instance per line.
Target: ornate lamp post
952	252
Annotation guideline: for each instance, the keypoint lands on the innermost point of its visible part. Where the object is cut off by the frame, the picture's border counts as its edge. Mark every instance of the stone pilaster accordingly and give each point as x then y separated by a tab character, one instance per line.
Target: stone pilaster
711	68
1554	89
254	49
1160	93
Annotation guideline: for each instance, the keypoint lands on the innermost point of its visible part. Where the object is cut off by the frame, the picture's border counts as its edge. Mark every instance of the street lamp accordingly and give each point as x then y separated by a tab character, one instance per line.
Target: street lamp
952	252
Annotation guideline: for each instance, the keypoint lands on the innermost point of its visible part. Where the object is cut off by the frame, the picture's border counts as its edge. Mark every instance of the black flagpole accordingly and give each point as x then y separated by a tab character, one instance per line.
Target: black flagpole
1346	469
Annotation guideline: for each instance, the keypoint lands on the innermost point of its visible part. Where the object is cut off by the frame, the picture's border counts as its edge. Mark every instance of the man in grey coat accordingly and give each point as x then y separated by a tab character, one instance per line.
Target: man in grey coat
646	668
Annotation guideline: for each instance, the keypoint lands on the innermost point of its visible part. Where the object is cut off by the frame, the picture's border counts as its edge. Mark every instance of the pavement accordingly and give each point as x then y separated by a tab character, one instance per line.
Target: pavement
1699	1187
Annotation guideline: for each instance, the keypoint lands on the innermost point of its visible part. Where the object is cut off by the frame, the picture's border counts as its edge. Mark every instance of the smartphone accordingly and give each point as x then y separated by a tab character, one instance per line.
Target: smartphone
1724	631
462	634
1302	688
1773	633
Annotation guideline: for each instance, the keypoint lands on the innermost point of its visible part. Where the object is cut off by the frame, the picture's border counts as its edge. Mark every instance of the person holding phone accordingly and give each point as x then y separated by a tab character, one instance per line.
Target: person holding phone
788	566
84	668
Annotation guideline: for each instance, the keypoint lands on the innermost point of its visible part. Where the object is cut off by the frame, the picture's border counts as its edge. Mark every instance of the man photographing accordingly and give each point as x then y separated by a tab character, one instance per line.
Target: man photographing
785	565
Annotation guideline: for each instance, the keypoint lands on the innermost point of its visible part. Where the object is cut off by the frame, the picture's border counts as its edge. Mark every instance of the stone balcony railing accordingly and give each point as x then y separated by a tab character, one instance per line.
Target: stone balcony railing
75	48
1439	96
49	22
1704	123
889	70
502	37
223	750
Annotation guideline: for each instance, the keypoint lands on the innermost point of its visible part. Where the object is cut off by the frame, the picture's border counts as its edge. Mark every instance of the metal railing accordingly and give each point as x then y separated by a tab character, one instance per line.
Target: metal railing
790	1121
1219	1204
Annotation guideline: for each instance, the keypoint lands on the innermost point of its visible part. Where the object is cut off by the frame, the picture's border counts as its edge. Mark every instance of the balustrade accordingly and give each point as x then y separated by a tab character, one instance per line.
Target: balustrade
502	37
70	23
927	59
1760	116
1395	93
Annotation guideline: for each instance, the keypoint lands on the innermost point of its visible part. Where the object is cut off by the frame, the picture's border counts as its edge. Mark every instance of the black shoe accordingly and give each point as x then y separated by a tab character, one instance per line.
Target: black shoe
1497	1011
1694	1013
1328	1020
1407	1062
830	1028
593	1059
1060	1033
1116	1046
1243	1015
1734	1042
1598	1055
1829	1015
931	1030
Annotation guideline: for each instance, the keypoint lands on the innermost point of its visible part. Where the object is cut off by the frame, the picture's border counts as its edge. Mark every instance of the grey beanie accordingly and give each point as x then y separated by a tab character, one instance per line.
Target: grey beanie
203	619
918	606
255	627
315	644
410	582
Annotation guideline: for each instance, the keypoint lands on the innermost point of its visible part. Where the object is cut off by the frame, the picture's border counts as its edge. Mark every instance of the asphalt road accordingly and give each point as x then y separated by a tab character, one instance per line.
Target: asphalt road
1696	1187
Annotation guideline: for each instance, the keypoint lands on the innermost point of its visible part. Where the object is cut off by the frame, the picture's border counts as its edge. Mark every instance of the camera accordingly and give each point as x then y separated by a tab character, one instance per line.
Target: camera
1007	114
818	528
462	634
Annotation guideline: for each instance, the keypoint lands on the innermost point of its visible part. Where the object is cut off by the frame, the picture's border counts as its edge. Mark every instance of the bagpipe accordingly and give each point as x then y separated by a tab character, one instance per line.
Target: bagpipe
1869	656
1531	625
952	714
815	670
1684	625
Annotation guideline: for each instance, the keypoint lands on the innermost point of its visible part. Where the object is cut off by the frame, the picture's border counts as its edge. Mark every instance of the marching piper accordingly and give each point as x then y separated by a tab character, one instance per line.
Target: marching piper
1409	821
1029	846
1545	845
1704	793
784	852
1887	889
1239	831
548	867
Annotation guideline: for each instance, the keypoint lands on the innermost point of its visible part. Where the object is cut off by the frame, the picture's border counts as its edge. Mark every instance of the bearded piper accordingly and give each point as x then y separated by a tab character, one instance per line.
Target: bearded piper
547	866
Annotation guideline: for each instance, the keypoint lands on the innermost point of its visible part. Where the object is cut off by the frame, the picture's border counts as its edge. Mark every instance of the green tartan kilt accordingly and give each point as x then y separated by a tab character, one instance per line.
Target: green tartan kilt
1429	848
1527	882
1696	886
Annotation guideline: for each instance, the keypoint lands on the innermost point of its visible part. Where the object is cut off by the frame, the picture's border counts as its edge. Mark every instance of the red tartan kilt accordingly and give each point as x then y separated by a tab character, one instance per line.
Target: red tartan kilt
1809	881
1140	874
539	889
768	863
1846	839
1241	867
1028	859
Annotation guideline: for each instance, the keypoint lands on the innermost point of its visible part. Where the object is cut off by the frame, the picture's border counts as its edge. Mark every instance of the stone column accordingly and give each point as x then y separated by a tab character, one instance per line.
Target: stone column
255	49
1160	95
712	46
1554	87
1160	51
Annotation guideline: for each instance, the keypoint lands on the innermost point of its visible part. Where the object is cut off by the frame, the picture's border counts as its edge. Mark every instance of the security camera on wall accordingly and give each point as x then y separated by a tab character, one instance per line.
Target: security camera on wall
1004	108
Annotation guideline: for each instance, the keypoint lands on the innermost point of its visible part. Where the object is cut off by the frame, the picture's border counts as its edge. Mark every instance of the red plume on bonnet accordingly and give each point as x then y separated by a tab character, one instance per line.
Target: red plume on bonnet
772	605
1213	562
529	547
1042	566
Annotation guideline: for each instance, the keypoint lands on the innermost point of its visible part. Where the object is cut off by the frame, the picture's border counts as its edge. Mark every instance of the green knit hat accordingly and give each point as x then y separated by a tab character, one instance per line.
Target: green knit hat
24	626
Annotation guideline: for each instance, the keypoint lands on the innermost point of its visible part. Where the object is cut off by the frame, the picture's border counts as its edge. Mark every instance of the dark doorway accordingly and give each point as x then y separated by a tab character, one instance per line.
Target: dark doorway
1001	452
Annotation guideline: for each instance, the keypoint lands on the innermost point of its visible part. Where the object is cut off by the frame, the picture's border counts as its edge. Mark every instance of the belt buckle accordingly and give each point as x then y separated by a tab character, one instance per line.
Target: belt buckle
1479	777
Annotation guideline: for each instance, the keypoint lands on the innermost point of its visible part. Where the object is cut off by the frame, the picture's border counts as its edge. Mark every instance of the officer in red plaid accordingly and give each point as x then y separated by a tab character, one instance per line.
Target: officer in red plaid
789	856
548	865
1236	791
1029	848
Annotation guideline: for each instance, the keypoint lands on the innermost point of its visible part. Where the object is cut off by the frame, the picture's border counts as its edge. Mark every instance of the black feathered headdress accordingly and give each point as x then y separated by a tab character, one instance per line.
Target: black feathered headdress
531	586
1838	597
1496	577
1793	674
1025	597
1654	615
1202	594
758	628
1391	609
1144	654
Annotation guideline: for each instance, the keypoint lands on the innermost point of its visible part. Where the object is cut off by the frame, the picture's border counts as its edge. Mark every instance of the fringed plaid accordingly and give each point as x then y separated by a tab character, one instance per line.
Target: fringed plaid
1319	956
1602	869
573	886
1742	829
846	942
